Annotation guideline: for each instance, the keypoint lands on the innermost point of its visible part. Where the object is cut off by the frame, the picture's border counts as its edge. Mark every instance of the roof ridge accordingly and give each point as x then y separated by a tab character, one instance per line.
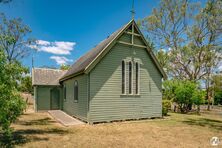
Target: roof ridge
82	63
48	69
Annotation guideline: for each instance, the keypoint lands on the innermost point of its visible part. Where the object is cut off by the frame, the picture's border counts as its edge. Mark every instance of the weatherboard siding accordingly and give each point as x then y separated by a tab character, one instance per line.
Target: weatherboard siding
43	97
35	98
78	109
106	101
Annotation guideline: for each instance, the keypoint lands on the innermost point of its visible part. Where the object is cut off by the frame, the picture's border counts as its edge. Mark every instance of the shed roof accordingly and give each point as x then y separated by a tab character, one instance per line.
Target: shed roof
46	76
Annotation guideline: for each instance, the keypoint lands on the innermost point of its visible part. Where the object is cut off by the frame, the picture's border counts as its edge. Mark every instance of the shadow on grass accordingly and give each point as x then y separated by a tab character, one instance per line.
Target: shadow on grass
22	136
18	139
205	122
44	121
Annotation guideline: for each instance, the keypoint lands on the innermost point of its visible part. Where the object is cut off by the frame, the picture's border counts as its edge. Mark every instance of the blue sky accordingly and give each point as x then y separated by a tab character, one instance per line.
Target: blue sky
69	28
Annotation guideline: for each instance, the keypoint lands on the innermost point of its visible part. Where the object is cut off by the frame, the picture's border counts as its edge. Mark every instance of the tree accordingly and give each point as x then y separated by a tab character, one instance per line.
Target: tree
169	87
216	85
163	58
64	67
190	34
13	38
198	98
26	84
12	47
11	103
183	95
217	82
218	97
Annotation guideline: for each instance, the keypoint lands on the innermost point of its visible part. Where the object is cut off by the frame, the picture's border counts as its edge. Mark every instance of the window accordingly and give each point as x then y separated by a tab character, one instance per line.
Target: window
123	78
76	91
130	77
137	77
64	93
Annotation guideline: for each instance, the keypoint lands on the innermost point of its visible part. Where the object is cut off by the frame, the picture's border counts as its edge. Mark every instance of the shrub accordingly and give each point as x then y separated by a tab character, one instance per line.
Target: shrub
166	105
11	103
218	97
198	98
184	93
169	89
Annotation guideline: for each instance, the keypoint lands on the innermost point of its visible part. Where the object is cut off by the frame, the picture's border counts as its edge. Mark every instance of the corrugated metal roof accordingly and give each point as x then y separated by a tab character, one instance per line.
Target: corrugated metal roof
45	76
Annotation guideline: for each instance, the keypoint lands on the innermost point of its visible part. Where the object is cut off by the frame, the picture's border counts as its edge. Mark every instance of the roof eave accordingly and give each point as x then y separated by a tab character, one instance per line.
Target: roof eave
90	66
71	76
152	54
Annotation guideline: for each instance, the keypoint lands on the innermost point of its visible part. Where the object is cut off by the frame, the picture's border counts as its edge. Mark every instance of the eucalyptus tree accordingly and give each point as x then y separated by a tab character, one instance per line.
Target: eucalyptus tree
190	34
14	38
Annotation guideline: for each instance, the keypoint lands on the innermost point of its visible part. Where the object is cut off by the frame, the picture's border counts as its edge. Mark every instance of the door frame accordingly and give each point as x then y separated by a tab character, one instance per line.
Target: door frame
54	88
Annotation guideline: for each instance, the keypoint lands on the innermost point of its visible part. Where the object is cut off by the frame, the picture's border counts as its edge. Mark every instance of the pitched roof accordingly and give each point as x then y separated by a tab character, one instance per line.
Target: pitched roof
45	76
85	61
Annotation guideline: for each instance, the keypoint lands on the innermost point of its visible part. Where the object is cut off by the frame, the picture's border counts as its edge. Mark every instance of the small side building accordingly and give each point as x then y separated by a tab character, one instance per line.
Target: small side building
47	89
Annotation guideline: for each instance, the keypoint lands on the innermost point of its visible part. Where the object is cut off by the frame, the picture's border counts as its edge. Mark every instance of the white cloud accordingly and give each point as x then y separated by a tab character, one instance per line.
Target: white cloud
59	48
42	42
220	66
61	59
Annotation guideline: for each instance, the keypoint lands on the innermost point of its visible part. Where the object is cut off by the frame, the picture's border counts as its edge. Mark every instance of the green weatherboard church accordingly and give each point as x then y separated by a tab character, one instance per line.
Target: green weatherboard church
119	79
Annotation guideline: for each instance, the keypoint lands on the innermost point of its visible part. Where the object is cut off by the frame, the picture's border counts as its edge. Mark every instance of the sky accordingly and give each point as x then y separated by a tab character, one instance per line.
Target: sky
66	29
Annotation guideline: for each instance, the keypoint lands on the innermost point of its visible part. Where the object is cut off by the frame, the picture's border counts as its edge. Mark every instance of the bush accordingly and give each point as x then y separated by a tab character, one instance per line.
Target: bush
198	98
184	93
11	103
166	105
218	98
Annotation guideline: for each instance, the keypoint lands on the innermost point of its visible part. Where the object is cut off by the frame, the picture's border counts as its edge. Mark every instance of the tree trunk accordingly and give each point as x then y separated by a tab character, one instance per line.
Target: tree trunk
208	89
198	109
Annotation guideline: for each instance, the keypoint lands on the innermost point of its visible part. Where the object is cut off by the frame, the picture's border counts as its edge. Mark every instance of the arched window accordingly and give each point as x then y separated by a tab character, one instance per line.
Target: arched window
130	77
137	77
76	97
123	78
64	92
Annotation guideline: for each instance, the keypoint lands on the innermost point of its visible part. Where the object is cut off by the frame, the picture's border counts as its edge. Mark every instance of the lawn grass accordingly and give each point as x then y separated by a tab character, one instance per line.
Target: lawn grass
176	130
